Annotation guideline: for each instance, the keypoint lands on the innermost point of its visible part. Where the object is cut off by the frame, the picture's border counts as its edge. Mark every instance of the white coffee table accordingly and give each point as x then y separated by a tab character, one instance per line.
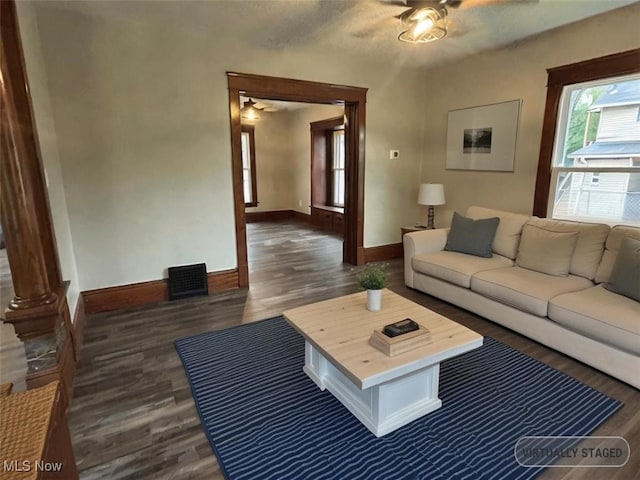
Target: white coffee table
383	392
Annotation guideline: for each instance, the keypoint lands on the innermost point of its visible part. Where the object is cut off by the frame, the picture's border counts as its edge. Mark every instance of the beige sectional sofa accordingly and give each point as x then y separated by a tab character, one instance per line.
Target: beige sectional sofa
571	313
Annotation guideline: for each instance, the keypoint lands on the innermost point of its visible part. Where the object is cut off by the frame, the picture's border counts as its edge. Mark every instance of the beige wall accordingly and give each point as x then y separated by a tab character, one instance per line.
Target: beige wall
274	178
301	151
45	124
517	72
283	157
142	122
141	113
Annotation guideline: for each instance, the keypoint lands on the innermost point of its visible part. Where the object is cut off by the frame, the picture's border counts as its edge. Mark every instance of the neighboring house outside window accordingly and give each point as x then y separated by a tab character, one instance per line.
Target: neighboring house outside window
249	186
596	167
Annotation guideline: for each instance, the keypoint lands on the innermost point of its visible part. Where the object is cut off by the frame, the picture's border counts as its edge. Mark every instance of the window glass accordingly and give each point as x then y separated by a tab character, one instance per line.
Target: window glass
248	176
338	168
246	155
596	165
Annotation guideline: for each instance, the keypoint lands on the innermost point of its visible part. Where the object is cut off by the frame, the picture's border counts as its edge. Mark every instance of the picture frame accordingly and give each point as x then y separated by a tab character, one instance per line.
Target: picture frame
483	138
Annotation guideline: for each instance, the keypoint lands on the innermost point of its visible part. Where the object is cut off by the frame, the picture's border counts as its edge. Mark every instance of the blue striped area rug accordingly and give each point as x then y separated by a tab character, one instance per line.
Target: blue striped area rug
265	419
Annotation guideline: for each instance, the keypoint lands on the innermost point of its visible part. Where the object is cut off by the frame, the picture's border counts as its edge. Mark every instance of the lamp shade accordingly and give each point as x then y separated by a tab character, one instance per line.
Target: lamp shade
431	194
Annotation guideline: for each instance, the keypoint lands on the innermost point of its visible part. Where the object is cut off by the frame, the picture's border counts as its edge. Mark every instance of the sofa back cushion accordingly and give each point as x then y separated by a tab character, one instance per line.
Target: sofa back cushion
546	251
589	247
614	240
509	229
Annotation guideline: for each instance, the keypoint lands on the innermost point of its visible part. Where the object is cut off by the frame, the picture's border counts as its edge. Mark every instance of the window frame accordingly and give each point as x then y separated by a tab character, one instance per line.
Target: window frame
559	148
250	131
321	160
610	66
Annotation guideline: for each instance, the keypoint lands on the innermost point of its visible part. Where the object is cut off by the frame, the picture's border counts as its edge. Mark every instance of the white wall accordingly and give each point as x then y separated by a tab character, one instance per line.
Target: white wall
518	72
45	125
141	113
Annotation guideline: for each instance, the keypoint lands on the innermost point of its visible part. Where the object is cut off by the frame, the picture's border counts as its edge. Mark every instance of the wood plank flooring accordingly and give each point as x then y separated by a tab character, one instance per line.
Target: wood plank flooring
133	415
13	361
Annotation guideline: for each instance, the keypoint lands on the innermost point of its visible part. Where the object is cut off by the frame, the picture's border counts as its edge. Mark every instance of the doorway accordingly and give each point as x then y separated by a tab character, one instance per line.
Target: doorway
275	88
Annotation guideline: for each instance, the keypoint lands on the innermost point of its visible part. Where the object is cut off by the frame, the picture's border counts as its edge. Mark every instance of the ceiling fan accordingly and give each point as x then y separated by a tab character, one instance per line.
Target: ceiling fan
426	20
251	109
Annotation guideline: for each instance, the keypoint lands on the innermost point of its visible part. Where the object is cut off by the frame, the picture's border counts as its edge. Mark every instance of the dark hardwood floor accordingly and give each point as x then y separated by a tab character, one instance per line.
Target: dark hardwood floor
133	415
13	360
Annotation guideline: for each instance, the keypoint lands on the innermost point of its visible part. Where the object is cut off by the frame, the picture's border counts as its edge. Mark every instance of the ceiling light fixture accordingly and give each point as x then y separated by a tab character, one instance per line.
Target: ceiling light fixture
423	25
249	110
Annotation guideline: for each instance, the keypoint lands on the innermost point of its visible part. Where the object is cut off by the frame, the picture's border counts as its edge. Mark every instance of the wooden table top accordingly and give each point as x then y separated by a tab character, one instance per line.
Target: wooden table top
340	329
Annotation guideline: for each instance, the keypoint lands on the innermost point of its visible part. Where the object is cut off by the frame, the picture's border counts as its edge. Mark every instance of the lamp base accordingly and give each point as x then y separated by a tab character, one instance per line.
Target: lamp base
430	218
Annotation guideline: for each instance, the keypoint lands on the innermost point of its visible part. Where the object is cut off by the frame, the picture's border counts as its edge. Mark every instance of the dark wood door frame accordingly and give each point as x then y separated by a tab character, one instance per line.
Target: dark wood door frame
286	89
31	244
39	308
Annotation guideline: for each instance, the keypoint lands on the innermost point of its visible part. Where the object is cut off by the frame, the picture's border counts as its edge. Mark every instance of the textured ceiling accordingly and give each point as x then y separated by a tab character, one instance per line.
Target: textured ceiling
275	105
366	27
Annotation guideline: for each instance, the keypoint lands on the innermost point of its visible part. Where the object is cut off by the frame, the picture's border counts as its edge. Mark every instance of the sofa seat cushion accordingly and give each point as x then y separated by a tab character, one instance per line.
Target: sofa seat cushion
454	267
526	290
601	315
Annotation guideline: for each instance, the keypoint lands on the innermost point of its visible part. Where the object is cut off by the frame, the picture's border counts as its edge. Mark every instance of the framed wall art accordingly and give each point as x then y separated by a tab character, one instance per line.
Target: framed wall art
483	138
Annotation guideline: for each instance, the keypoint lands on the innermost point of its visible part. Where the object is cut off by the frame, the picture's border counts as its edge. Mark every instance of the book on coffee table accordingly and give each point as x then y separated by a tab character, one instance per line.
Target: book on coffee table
402	343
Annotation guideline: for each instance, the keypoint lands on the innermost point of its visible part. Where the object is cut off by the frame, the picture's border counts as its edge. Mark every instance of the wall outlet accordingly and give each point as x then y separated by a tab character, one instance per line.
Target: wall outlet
299	203
394	154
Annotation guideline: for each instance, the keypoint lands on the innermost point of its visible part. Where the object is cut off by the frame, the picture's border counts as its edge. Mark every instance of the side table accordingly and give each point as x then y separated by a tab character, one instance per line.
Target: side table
409	230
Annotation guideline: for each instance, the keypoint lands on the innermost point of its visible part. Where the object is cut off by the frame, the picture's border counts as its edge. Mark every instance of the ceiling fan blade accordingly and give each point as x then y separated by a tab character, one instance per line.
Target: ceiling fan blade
456	29
265	106
490	3
395	3
376	28
434	3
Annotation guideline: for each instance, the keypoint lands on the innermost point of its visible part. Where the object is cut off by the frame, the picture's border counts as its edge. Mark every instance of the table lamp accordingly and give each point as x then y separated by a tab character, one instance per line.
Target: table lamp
431	194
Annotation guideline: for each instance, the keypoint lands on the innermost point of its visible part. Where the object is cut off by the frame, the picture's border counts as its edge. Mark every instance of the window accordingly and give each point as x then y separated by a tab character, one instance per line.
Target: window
328	163
337	169
249	187
595	171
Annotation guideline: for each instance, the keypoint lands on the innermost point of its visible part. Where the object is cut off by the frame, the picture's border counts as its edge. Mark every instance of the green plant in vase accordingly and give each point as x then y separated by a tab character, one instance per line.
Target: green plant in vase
373	279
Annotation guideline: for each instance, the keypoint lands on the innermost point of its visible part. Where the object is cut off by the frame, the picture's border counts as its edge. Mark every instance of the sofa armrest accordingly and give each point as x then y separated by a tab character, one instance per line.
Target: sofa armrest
423	241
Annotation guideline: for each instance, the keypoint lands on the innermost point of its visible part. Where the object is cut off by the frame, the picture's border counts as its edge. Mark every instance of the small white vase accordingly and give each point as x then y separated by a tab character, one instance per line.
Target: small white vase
374	300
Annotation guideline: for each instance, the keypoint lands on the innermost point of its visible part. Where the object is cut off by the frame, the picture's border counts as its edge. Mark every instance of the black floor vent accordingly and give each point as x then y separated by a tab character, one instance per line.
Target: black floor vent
188	281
